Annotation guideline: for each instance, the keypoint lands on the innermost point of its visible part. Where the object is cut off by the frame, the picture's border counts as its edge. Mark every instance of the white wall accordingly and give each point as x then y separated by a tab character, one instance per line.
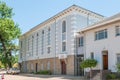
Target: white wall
74	21
112	44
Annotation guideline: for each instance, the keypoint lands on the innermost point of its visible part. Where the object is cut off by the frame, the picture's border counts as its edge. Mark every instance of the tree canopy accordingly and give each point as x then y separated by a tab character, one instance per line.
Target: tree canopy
9	31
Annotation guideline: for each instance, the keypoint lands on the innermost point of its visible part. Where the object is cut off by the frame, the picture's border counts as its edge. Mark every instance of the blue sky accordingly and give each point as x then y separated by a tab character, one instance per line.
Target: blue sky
29	13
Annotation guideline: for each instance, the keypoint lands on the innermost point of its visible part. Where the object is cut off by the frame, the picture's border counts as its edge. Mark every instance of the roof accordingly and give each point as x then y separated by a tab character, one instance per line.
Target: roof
63	12
103	22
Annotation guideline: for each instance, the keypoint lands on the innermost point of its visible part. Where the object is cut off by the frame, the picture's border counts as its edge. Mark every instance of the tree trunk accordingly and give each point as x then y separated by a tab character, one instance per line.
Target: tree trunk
3	45
10	61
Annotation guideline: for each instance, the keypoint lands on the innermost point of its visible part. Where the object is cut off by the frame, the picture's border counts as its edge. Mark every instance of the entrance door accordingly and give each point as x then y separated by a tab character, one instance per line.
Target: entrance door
105	60
79	70
63	67
36	67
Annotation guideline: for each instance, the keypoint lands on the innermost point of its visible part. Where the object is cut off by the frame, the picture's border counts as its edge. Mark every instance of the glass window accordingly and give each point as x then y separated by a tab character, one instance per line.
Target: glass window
48	49
37	44
42	49
42	67
63	26
32	44
28	44
63	46
81	41
21	44
48	65
117	30
118	58
49	36
101	34
63	36
92	55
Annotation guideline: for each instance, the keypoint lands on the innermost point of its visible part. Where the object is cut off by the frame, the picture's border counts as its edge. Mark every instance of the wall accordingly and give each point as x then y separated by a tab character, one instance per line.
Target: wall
97	46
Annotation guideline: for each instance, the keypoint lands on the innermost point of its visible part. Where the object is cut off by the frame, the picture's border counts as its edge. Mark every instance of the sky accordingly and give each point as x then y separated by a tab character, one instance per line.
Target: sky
29	13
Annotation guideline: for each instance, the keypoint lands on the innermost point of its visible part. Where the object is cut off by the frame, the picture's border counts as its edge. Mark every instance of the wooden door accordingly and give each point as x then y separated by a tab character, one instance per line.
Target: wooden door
36	67
63	67
105	62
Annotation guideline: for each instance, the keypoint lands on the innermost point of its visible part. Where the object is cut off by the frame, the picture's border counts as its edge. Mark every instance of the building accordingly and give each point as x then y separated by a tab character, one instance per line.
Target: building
101	42
51	45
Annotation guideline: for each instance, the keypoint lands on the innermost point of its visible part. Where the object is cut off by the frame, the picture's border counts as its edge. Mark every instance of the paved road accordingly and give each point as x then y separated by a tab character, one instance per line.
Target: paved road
40	77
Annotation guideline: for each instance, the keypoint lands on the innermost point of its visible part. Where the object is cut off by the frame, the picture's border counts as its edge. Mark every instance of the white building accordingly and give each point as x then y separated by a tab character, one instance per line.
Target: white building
102	42
51	45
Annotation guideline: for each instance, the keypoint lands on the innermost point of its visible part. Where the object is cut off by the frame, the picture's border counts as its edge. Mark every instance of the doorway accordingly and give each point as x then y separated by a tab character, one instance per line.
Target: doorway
105	60
36	67
63	67
79	70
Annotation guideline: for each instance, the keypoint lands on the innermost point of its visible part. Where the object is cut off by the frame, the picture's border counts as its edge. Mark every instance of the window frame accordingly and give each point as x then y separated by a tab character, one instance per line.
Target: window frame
101	34
117	30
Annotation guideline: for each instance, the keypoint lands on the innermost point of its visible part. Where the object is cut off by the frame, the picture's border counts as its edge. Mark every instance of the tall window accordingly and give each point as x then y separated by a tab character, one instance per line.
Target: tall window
63	36
21	44
32	44
48	65
48	49
81	41
63	46
63	26
118	58
42	42
49	36
37	43
28	44
102	34
117	30
42	66
64	30
92	55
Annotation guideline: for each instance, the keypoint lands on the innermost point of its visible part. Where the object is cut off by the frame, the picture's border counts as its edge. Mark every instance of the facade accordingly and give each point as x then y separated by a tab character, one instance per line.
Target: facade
101	42
51	45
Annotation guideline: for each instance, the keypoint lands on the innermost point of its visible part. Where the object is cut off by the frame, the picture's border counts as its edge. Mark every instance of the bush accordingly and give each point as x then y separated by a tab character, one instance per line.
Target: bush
111	76
44	72
88	63
118	67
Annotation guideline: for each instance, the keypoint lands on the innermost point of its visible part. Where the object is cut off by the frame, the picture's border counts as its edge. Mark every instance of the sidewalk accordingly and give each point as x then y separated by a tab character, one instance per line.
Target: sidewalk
57	76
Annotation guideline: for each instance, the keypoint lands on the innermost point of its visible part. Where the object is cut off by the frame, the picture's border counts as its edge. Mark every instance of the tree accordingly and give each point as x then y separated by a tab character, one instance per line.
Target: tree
89	63
9	31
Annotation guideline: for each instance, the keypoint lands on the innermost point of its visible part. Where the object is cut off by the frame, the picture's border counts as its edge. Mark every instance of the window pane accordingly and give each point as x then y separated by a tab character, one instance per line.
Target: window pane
101	34
63	36
81	41
92	55
64	26
117	30
63	46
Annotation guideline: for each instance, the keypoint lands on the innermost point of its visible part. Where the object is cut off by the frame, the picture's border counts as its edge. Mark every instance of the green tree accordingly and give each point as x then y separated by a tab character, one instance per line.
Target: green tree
89	63
9	31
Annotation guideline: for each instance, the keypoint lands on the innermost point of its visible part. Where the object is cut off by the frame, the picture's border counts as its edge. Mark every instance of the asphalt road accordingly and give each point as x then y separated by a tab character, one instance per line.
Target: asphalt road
40	77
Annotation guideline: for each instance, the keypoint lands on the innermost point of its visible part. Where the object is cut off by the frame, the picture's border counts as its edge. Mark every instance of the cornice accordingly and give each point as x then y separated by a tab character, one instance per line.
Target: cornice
62	13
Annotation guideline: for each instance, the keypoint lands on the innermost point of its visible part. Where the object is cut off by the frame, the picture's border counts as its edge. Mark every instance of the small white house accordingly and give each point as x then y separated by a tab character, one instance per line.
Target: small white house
102	42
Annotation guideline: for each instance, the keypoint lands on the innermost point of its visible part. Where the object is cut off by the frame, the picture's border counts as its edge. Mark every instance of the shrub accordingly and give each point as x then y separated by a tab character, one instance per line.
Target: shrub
118	67
44	72
88	63
111	76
